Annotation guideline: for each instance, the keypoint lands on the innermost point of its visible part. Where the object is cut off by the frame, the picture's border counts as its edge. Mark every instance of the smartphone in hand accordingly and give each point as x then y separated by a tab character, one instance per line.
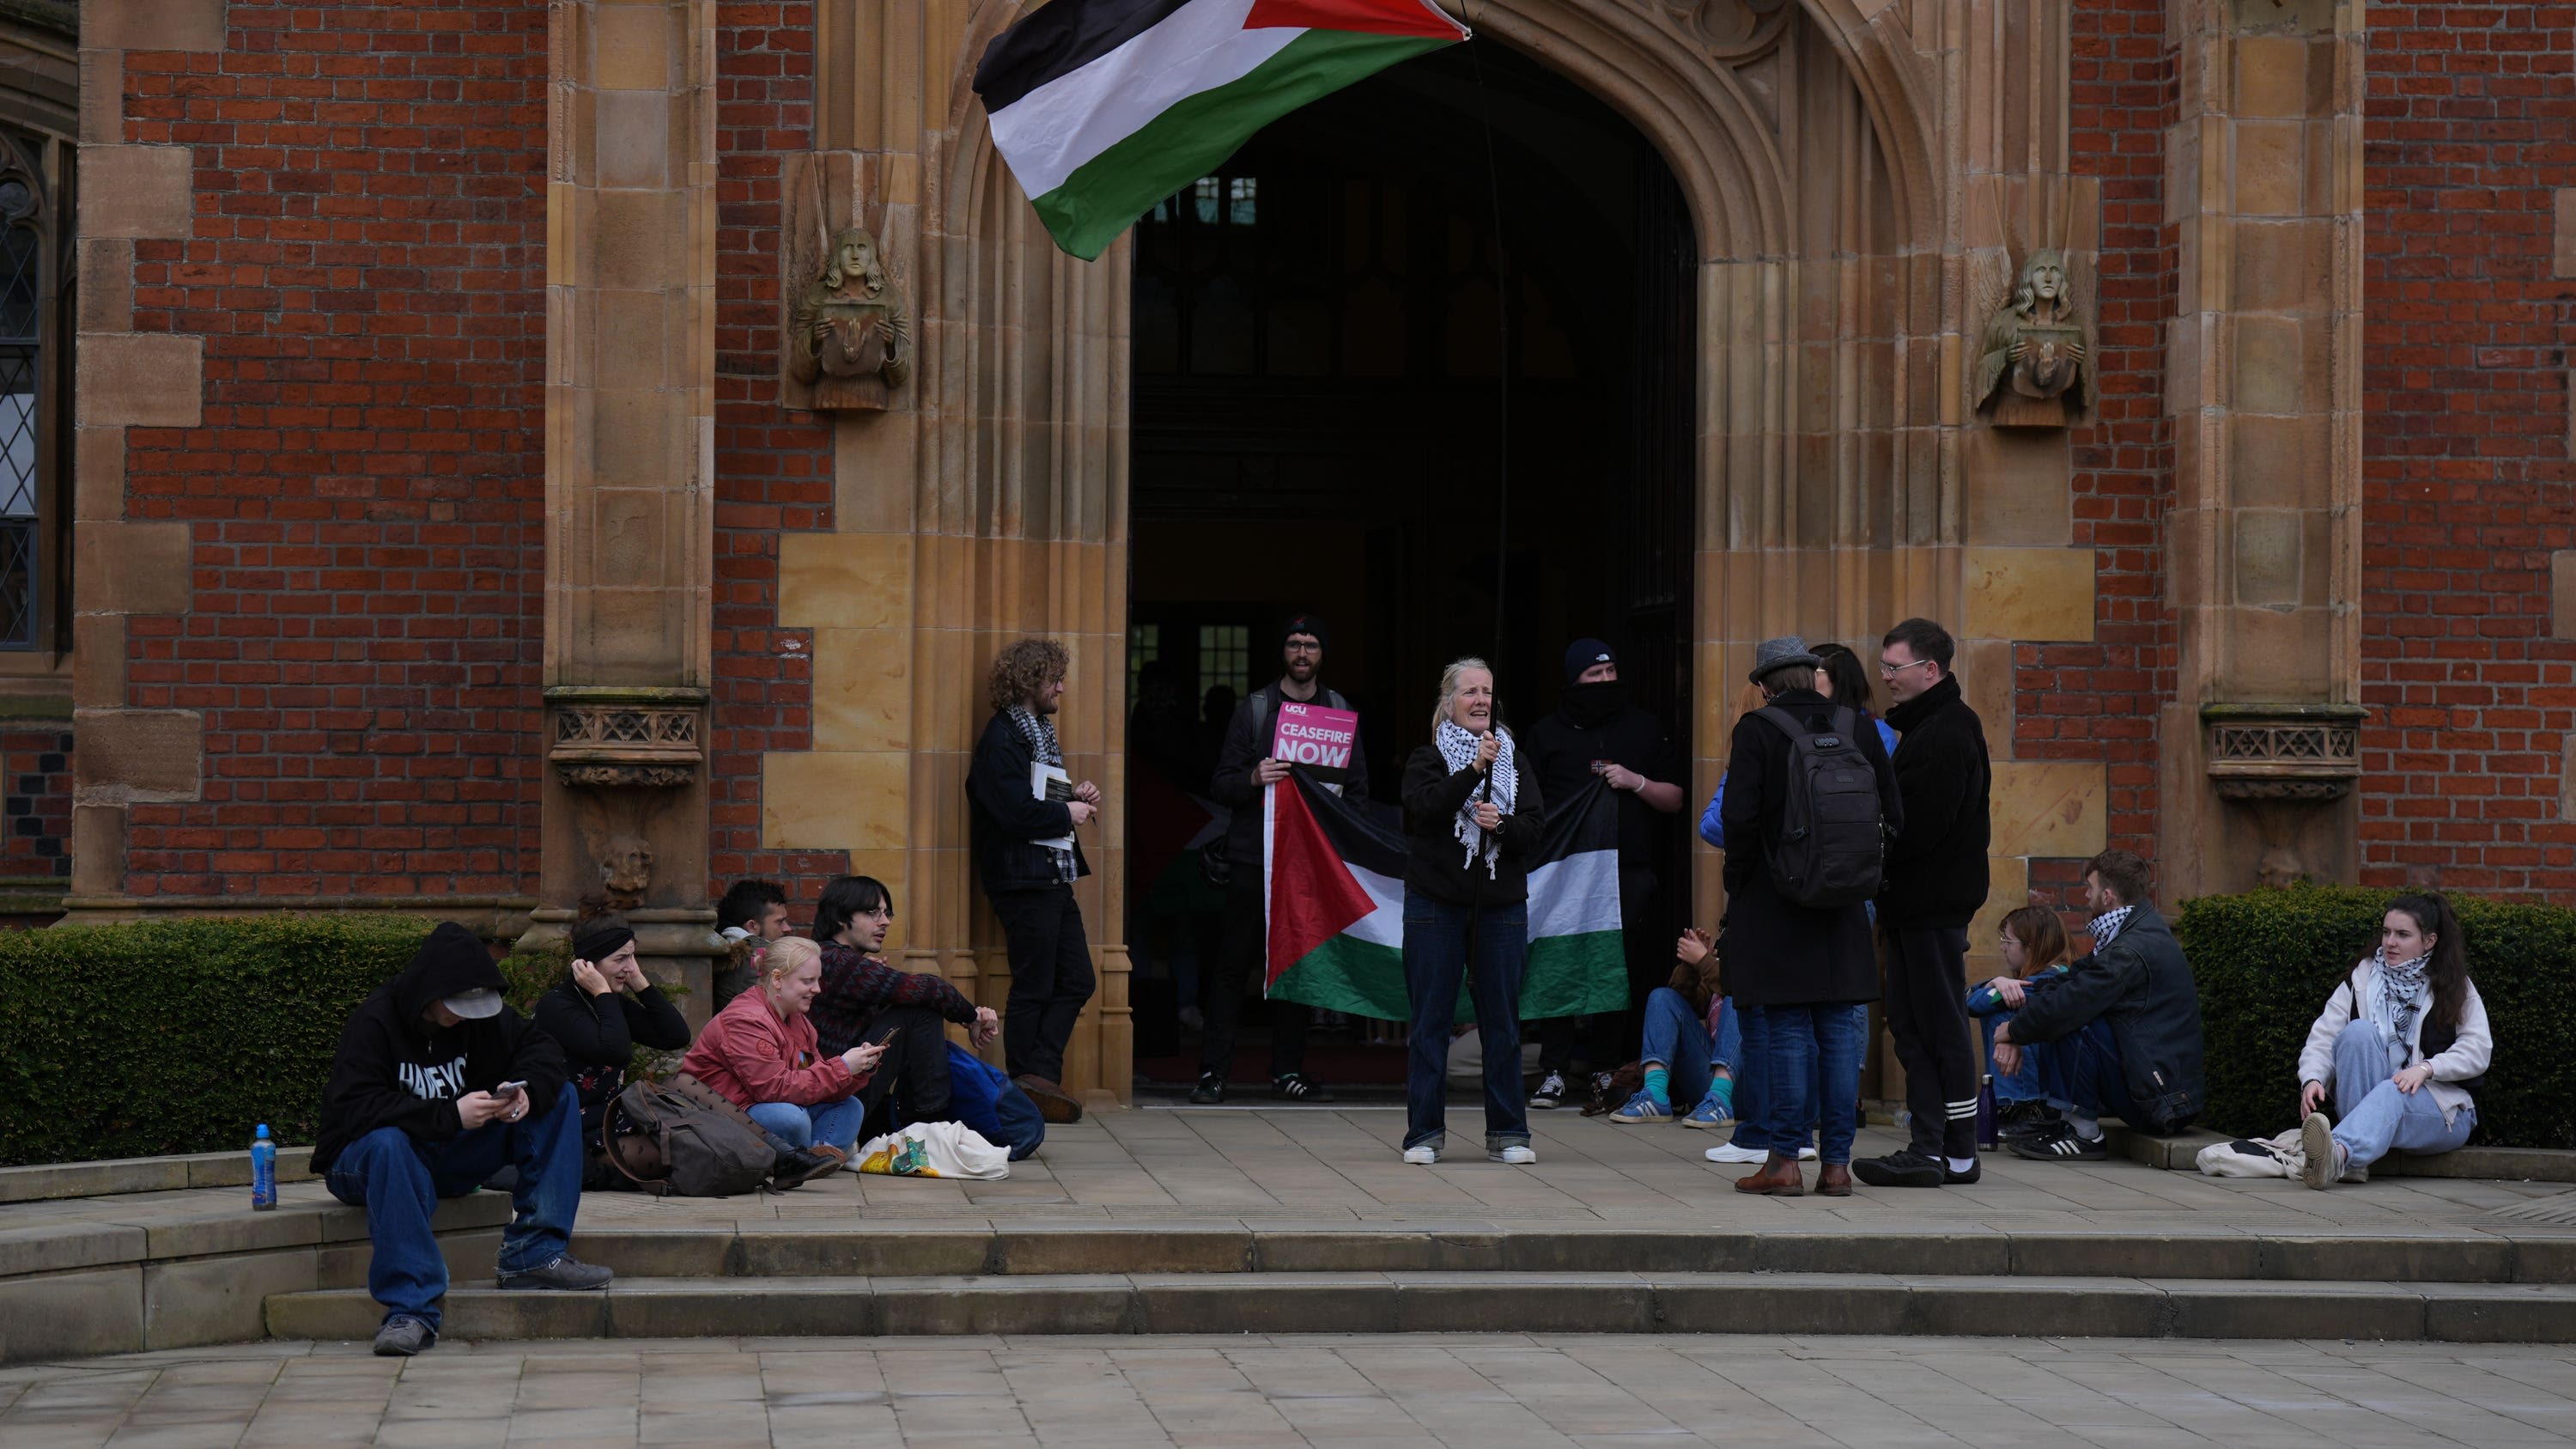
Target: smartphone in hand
887	1041
509	1091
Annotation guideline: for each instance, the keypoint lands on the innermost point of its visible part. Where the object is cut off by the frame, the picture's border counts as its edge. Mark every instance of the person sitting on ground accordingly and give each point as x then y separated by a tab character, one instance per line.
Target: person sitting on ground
760	1054
599	1013
865	1000
1689	1047
752	914
436	1086
2033	943
2399	1048
2125	1020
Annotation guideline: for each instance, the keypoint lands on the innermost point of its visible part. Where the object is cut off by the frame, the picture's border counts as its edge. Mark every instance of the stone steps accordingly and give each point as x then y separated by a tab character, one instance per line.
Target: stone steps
1455	1302
913	1250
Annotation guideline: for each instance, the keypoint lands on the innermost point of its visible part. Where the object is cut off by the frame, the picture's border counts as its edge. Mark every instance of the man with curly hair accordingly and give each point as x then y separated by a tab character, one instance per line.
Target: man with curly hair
1025	810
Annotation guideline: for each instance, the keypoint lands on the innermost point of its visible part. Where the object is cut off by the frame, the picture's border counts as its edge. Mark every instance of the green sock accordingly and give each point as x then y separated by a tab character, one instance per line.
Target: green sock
1659	1086
1723	1089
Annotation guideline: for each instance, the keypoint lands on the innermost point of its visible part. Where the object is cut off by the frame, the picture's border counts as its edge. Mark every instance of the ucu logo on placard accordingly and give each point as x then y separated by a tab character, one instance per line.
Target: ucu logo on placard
434	1083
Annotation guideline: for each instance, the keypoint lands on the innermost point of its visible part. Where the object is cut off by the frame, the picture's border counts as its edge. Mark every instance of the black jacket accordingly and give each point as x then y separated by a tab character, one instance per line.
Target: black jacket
1247	743
1779	953
394	1069
1437	865
599	1034
2142	986
1936	862
1006	821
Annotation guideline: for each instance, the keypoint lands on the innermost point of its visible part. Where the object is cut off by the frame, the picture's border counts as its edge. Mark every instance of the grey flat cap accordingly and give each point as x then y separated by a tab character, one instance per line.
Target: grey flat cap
1780	653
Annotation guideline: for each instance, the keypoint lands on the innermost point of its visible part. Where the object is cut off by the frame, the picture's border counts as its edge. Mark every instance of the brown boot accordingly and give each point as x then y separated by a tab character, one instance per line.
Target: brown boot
1054	1103
1834	1180
1778	1178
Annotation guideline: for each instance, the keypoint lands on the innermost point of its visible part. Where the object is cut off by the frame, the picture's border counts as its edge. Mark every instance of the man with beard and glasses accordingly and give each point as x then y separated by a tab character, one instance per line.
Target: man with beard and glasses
1244	768
1025	809
1596	731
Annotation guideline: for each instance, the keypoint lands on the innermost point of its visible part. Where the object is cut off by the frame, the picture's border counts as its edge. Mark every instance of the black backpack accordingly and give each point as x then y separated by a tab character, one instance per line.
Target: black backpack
1831	844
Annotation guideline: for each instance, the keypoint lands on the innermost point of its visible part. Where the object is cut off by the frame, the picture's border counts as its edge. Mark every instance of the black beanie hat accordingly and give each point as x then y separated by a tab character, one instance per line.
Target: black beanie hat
1305	624
1582	654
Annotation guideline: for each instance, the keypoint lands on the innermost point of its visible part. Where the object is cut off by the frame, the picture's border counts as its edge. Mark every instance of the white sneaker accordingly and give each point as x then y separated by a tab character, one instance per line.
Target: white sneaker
1516	1155
1551	1091
1422	1156
1729	1152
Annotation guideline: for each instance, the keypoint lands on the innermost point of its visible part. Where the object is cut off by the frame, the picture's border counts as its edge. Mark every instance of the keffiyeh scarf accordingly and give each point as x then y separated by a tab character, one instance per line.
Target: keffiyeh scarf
1458	750
2108	924
1040	733
2398	995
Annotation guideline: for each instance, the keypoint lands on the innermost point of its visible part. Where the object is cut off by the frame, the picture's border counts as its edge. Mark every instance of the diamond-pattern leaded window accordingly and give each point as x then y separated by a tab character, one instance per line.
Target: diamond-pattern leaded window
25	458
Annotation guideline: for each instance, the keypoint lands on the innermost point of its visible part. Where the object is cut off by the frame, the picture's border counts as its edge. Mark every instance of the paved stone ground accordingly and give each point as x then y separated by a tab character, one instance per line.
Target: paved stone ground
1307	1165
1485	1392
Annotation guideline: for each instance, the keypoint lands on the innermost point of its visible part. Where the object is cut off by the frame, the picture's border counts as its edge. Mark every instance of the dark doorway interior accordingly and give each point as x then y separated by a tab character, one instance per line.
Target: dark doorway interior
1318	424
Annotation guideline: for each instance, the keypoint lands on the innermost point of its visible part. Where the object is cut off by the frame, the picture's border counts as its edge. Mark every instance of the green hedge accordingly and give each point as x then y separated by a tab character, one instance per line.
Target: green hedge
130	1041
2266	961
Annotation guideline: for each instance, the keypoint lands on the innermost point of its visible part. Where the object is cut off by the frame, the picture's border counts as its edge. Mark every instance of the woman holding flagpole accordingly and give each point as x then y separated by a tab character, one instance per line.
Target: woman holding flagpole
1472	820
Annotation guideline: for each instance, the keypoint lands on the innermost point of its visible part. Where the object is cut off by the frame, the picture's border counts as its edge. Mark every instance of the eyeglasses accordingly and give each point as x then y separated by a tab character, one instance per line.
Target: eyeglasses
1890	671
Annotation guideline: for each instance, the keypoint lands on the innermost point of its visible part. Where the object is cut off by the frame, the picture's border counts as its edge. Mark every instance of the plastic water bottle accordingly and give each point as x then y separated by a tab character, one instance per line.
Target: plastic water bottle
263	1170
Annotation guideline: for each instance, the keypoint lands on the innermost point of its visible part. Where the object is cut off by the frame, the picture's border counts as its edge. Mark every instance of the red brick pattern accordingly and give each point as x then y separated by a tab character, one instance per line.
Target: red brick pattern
367	271
36	801
2471	128
773	468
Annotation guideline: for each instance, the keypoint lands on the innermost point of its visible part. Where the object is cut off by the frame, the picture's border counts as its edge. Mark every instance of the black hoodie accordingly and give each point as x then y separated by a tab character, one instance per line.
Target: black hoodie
394	1069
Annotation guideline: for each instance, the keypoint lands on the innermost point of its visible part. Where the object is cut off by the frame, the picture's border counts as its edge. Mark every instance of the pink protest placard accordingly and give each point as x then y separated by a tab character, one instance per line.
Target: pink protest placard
1316	737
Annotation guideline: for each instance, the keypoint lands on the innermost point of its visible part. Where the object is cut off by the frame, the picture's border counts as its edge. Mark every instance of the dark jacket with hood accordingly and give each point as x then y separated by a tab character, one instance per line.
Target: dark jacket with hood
1780	953
1248	737
395	1069
1006	821
599	1034
2143	987
1936	862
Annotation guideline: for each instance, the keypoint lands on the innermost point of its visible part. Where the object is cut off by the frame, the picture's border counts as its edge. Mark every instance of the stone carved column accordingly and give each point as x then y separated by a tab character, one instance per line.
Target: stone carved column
630	406
2264	377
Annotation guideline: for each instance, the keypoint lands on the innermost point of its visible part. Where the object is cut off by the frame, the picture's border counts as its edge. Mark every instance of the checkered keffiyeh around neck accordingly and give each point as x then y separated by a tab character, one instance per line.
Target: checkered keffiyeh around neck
2108	924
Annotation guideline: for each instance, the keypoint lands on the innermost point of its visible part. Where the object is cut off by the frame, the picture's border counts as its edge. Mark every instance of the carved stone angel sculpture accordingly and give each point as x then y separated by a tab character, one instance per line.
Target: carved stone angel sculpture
850	322
2037	347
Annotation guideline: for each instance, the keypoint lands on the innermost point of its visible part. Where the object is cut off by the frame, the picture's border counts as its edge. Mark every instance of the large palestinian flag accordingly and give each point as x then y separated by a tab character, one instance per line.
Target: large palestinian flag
1333	871
1104	107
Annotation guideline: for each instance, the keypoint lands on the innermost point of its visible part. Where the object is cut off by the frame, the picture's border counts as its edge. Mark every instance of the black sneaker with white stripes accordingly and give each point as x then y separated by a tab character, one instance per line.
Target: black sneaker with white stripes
1293	1087
2059	1144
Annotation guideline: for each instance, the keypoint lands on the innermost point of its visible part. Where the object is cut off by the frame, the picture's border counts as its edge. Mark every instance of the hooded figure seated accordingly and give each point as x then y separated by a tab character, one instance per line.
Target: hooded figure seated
438	1085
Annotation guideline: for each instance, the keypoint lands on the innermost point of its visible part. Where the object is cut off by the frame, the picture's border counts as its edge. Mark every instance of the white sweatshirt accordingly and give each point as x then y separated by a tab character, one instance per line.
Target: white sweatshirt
2467	1057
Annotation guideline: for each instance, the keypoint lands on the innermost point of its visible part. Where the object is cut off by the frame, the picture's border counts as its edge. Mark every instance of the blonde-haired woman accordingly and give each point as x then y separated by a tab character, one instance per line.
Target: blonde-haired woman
760	1053
1472	820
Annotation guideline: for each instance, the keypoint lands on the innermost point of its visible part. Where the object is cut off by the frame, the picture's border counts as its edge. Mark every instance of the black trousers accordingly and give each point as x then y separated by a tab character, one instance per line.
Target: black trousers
1927	1015
913	1073
1050	978
1239	966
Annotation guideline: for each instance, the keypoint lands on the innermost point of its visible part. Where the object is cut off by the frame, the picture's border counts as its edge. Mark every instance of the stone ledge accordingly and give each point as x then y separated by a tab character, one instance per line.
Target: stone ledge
2180	1153
119	1175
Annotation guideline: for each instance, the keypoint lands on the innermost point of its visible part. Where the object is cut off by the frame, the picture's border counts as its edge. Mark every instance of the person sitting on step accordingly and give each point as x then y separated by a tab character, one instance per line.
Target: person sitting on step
2399	1048
2033	944
2125	1021
599	1013
760	1054
751	914
1690	1044
437	1085
865	1000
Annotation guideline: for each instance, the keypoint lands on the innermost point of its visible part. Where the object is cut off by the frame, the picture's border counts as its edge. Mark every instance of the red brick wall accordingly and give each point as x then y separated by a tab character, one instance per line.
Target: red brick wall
367	273
2099	701
773	468
2471	127
36	800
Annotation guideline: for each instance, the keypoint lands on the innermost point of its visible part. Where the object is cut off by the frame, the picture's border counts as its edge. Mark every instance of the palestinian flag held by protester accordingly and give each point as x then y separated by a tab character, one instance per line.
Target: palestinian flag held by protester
1104	107
1333	871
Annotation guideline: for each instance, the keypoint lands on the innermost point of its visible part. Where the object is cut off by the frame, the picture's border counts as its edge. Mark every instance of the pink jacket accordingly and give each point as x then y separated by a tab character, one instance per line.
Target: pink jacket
752	1056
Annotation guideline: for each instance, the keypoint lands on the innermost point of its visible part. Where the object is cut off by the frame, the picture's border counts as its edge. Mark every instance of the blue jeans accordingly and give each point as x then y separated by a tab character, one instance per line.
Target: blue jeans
834	1124
2081	1074
2372	1116
399	1179
1677	1039
1810	1070
1437	939
1744	1042
2026	1085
